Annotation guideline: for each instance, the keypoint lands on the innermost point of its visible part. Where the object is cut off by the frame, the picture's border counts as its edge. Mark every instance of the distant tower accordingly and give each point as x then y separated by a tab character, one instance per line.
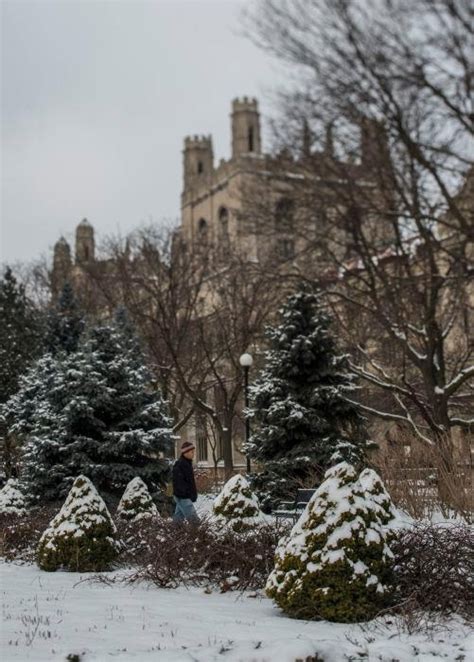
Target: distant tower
85	244
198	160
245	127
62	264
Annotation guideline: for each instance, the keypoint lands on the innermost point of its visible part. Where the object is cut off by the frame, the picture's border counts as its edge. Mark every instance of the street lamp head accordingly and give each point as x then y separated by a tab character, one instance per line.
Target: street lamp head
246	360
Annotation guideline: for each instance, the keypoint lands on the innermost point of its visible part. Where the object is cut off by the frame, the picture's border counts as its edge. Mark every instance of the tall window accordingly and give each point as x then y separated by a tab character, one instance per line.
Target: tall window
284	215
251	139
200	167
224	239
201	437
203	233
286	248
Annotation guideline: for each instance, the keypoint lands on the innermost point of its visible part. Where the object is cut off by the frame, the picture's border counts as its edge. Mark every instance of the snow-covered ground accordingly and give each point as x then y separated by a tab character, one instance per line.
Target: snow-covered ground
47	616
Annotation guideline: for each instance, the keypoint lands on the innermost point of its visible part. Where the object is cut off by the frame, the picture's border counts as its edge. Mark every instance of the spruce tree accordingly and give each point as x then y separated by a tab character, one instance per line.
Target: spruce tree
302	421
21	342
237	506
91	412
65	323
21	333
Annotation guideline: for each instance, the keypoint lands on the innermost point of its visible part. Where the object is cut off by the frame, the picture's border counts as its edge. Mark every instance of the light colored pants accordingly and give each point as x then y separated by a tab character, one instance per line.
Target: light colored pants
184	510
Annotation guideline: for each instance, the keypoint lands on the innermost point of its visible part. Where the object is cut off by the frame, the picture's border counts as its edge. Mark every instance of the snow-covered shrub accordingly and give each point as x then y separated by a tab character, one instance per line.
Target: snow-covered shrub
82	536
335	564
12	500
237	506
136	502
374	489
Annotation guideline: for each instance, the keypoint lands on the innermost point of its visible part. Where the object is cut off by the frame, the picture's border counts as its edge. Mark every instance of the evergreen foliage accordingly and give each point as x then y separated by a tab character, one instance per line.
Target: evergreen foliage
21	333
136	502
12	501
82	536
65	323
336	563
374	489
236	505
91	412
302	420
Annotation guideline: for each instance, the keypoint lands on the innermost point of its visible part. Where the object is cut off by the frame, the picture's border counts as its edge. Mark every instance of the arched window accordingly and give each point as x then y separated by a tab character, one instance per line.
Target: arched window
284	215
251	139
202	231
223	216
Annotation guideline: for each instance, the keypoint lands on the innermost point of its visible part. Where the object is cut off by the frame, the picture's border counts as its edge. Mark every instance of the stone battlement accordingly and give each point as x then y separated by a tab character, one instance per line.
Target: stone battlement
244	103
198	141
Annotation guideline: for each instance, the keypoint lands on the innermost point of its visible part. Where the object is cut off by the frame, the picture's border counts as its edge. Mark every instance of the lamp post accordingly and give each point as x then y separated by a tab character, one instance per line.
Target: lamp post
246	361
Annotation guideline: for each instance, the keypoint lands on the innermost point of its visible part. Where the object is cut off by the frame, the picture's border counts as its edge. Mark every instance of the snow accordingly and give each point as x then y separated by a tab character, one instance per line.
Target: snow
47	616
12	501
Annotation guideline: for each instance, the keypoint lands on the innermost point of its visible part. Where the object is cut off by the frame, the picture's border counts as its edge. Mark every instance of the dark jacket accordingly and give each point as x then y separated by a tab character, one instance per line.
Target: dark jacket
184	485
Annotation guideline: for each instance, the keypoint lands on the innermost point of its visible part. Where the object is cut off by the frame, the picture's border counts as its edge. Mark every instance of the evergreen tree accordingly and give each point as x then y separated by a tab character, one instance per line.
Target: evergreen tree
91	412
21	342
136	502
237	506
82	536
12	500
65	323
336	563
303	422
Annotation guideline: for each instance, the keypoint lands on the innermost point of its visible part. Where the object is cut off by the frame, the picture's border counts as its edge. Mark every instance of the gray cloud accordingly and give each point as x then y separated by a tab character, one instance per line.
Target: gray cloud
97	97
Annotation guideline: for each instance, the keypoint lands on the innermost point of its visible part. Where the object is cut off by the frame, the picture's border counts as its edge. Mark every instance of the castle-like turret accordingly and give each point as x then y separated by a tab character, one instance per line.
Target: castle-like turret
245	127
62	264
85	243
198	160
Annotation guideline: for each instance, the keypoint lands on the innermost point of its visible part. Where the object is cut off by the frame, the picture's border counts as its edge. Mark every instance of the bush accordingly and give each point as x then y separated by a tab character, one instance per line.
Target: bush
336	564
12	500
170	555
434	569
237	506
82	536
136	502
19	536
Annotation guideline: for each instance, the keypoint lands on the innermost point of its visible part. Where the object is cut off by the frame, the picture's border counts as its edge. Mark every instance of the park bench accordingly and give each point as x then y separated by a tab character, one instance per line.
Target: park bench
293	509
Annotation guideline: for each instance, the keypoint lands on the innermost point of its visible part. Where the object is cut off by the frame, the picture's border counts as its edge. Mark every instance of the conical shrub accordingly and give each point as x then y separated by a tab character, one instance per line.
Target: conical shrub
12	500
237	506
82	536
336	563
136	502
374	490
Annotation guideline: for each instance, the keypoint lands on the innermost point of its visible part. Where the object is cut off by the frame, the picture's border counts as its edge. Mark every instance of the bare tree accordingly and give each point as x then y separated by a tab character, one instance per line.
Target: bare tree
384	208
197	316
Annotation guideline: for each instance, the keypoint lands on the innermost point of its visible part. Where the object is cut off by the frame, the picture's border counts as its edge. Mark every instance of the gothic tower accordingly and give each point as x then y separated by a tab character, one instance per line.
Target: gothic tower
85	243
62	264
245	127
198	160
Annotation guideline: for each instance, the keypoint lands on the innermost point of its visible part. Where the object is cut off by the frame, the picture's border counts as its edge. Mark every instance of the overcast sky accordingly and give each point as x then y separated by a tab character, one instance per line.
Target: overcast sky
96	99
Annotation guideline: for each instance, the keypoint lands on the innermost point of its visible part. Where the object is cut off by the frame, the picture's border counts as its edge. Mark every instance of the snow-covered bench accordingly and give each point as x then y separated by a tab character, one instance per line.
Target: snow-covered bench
293	509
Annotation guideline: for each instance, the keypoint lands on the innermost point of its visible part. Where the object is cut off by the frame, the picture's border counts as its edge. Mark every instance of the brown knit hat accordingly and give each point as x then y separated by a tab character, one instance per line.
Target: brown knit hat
186	446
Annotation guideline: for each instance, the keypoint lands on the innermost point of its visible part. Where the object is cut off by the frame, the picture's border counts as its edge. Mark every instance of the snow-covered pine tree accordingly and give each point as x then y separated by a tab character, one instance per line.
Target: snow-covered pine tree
136	502
82	536
65	323
21	342
237	506
336	564
92	412
12	500
302	421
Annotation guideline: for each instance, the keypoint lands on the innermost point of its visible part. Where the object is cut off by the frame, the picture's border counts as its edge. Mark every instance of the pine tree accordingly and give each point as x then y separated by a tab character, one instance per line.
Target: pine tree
136	502
21	333
21	342
336	564
91	412
303	422
237	506
65	323
82	536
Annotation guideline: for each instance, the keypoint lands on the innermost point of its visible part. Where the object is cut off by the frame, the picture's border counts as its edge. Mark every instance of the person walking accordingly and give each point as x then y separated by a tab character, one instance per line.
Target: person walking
184	485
